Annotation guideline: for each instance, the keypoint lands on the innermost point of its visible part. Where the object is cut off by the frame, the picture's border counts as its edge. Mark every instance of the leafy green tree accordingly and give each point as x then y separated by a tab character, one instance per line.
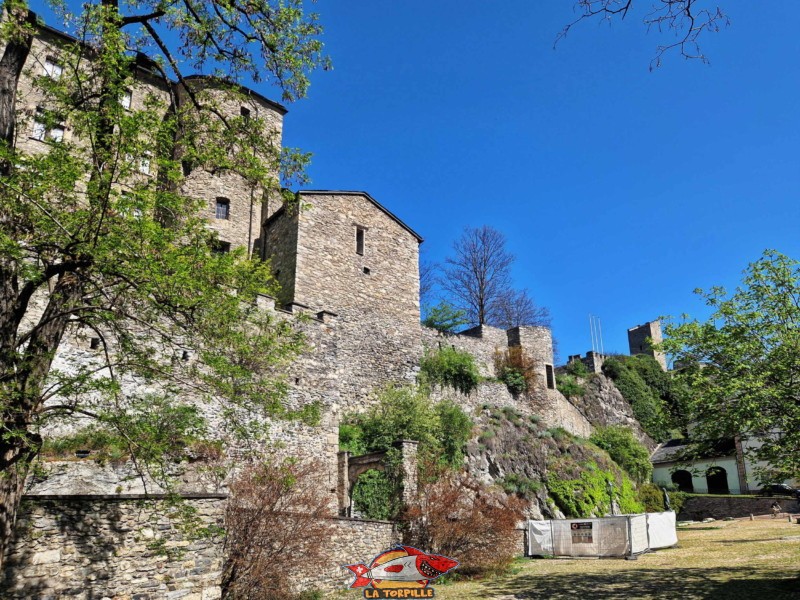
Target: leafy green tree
139	270
648	407
444	317
742	365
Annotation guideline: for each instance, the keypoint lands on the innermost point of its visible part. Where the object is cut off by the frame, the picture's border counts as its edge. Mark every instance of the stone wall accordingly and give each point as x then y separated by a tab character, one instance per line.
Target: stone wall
85	547
696	508
98	547
375	294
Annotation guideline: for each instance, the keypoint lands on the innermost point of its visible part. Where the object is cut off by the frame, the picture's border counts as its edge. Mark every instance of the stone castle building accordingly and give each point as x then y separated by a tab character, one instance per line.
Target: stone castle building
343	260
641	339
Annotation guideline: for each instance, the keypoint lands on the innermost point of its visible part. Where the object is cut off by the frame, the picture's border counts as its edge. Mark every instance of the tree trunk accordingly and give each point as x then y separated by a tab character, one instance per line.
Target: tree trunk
14	57
15	460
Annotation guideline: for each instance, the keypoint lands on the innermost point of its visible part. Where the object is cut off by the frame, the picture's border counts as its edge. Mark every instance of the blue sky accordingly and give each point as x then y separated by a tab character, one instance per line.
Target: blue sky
620	190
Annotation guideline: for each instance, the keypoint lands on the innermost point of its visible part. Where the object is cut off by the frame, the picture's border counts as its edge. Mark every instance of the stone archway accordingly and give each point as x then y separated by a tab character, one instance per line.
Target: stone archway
717	480
683	479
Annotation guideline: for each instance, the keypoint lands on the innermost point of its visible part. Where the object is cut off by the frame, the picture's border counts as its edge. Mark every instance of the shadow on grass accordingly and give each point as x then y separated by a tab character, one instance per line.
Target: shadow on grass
718	583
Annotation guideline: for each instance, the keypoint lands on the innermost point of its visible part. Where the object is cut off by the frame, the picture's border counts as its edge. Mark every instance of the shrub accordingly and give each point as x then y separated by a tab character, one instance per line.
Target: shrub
625	450
516	369
568	385
455	428
450	367
458	517
651	497
648	407
522	486
350	439
588	494
276	512
442	429
577	368
375	495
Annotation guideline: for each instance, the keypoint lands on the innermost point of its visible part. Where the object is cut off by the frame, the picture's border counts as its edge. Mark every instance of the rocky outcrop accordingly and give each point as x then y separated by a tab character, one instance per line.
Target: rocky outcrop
602	404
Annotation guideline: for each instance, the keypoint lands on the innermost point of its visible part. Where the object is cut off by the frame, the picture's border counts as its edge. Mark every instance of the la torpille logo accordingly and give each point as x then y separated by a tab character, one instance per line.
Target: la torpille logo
401	572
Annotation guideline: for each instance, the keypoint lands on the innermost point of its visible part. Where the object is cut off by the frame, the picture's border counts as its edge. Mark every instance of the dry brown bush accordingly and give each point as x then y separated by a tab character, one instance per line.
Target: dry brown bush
460	518
277	520
517	360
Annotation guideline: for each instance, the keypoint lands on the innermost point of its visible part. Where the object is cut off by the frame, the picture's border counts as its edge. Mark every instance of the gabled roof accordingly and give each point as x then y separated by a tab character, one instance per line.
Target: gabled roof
368	197
676	451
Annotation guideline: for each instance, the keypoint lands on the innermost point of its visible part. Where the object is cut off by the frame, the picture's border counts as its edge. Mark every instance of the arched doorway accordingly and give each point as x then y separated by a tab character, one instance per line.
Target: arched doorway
683	479
717	480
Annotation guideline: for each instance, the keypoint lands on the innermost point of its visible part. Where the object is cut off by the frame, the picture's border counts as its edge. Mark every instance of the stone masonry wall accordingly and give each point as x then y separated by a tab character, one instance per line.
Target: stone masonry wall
696	508
375	295
280	248
84	548
638	344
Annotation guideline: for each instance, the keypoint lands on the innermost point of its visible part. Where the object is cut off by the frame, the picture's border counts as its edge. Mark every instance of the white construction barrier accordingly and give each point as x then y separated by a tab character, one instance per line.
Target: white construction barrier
661	530
625	535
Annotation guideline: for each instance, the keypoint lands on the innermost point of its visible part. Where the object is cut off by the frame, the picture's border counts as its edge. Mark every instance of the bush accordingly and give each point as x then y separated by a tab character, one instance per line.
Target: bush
516	369
568	385
648	407
450	367
577	368
651	497
442	429
625	450
455	428
588	494
375	495
275	513
458	517
519	485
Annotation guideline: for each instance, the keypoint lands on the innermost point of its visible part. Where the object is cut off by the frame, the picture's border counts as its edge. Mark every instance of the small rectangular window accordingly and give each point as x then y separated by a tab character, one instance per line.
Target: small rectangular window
39	131
52	68
144	163
551	380
126	99
223	208
244	112
221	247
360	241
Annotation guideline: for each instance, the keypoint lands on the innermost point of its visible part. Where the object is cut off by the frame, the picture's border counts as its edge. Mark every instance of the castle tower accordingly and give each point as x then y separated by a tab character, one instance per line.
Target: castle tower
345	253
537	342
641	337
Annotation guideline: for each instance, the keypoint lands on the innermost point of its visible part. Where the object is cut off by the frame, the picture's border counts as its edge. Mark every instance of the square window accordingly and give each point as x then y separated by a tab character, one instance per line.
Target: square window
244	112
126	99
52	68
223	208
42	133
56	133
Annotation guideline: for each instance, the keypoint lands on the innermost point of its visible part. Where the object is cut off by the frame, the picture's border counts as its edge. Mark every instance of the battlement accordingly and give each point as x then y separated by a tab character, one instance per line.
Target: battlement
593	360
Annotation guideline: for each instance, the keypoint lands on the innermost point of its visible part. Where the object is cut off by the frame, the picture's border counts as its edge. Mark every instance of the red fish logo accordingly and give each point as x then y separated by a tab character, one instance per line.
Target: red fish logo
400	567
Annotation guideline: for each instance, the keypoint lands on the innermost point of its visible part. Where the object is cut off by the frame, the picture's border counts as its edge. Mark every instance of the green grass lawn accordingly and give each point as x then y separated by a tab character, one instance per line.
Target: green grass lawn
720	560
